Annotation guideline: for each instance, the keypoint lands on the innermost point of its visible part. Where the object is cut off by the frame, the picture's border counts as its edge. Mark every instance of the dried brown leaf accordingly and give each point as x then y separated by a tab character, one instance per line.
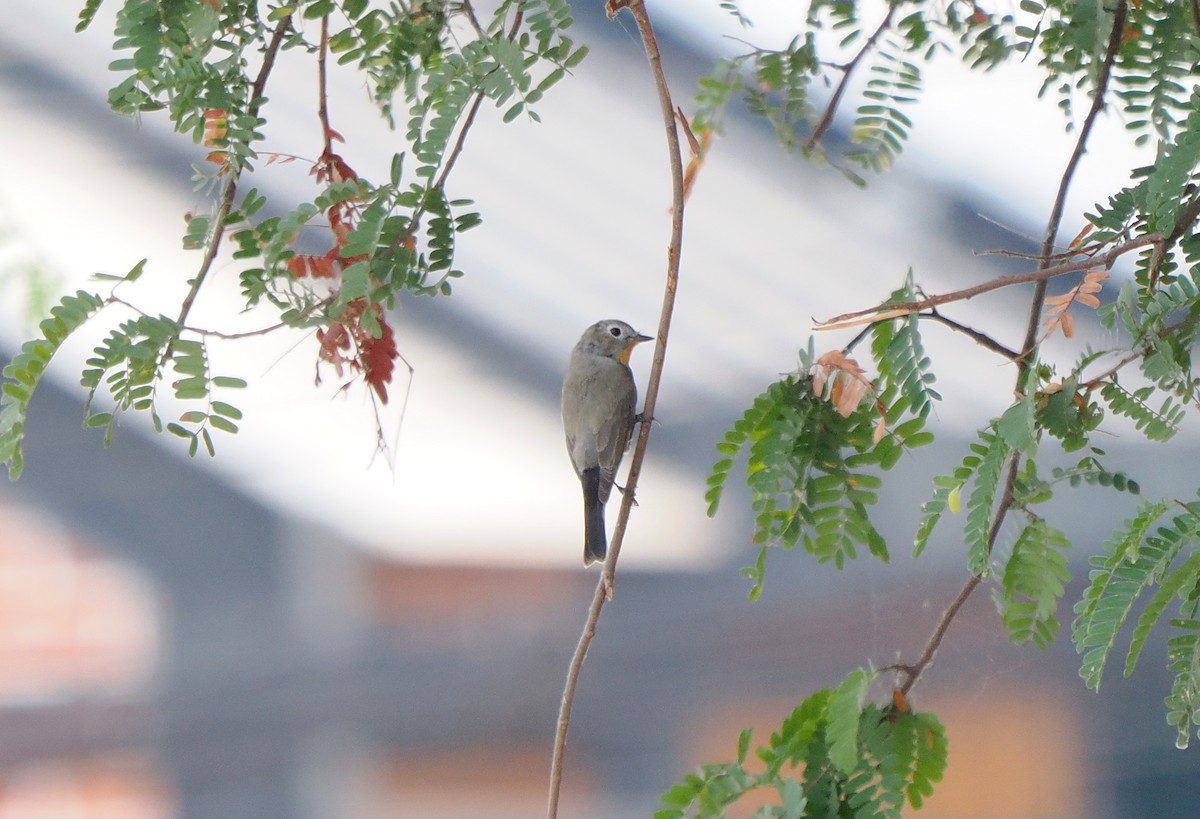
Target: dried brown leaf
840	380
1067	322
865	318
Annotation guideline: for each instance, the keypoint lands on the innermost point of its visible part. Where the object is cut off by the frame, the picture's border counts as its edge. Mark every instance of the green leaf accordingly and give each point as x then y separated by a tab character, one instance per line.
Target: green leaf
1183	658
98	419
1134	559
23	373
227	410
845	710
1176	584
87	14
223	424
1016	426
743	745
1032	584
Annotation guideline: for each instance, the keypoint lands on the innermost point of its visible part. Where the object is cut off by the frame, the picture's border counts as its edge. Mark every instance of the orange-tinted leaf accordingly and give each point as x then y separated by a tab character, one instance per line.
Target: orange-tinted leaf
868	317
687	130
216	125
841	380
1067	322
1081	235
699	149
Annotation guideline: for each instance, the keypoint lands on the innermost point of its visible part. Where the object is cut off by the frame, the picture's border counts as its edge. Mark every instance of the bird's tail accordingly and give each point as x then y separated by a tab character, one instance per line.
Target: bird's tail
595	540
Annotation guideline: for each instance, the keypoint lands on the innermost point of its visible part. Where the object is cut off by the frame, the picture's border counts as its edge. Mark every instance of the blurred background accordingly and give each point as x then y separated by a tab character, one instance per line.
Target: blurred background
299	629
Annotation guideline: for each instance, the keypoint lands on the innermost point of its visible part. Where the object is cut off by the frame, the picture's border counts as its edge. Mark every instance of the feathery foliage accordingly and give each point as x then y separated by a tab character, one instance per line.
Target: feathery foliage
23	374
207	66
809	451
836	754
1032	584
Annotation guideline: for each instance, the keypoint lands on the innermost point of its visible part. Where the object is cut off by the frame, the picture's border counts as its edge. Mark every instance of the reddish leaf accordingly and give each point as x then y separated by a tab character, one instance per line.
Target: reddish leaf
345	344
216	125
378	356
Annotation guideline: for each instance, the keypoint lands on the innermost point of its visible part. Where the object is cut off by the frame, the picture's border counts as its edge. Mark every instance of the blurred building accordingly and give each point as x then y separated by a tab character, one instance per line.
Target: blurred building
170	649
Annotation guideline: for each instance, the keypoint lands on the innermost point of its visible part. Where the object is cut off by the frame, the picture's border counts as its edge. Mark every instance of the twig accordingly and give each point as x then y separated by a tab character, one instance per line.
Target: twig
604	588
459	142
847	71
322	89
1092	383
1055	220
1137	354
225	335
1040	275
469	10
913	672
230	190
1187	217
1034	257
414	223
1024	361
982	339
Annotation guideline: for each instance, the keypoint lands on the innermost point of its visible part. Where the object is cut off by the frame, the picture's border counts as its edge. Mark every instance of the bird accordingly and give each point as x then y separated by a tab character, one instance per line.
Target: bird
599	398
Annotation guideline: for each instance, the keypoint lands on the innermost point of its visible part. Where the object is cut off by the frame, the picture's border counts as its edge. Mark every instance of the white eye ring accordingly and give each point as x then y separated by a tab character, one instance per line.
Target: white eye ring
616	331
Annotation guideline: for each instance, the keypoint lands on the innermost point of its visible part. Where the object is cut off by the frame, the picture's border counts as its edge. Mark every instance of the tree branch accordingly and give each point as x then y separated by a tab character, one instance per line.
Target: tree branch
322	89
913	672
229	191
1055	220
1042	275
460	141
847	70
604	588
982	339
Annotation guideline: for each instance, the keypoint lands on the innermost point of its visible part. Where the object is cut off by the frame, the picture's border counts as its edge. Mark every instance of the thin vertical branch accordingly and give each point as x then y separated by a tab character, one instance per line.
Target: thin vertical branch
1028	347
604	588
912	673
848	69
323	88
1064	185
229	191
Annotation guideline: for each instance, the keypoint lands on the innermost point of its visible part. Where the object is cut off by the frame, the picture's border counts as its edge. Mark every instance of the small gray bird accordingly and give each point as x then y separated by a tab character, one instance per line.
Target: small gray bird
598	404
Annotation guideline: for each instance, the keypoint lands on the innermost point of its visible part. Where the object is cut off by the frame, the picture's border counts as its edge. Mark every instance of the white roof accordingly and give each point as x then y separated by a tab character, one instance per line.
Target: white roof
575	229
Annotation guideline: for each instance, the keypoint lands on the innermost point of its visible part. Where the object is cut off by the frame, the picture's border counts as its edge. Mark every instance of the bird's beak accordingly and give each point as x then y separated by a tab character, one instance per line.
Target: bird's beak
637	339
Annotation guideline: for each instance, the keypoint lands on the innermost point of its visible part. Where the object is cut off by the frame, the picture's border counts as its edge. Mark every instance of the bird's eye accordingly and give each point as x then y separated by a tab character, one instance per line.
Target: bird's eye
616	331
